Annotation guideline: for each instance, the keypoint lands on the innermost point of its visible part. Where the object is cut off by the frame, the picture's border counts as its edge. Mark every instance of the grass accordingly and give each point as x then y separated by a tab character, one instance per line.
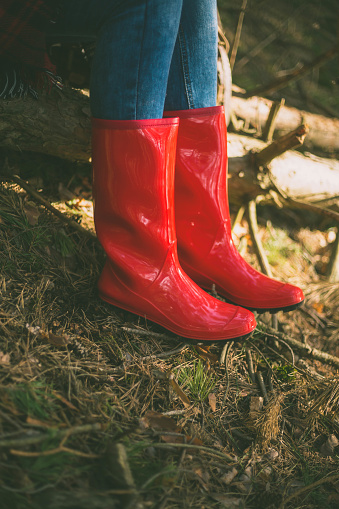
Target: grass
198	382
280	247
34	400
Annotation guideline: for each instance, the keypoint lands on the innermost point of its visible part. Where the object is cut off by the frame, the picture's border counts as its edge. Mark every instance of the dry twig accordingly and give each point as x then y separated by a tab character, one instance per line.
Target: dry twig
271	120
281	145
306	349
201	448
329	478
37	197
294	75
57	433
236	41
257	244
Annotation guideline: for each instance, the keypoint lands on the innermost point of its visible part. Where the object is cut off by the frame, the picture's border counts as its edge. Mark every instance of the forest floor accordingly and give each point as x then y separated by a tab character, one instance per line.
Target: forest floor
100	408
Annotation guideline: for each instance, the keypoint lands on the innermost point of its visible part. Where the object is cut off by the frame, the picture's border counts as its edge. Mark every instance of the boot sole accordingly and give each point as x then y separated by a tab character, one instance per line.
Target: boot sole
259	310
216	341
188	338
275	310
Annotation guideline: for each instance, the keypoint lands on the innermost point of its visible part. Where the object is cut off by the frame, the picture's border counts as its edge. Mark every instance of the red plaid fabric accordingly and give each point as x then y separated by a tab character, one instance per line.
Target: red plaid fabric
22	37
24	64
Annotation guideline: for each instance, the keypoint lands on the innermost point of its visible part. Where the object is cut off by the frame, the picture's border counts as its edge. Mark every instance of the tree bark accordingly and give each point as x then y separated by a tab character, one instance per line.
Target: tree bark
57	124
323	131
299	177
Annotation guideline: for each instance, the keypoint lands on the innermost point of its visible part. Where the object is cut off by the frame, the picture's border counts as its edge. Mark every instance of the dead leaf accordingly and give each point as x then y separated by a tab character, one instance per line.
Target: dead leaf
159	375
157	421
256	404
203	477
194	441
229	476
180	393
57	340
272	455
184	439
64	193
318	306
36	422
212	400
203	352
4	358
245	483
244	393
33	330
294	486
32	213
227	501
327	449
65	401
265	474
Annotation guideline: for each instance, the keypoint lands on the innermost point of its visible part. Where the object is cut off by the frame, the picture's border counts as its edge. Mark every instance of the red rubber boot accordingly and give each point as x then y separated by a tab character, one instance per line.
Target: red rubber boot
205	246
133	188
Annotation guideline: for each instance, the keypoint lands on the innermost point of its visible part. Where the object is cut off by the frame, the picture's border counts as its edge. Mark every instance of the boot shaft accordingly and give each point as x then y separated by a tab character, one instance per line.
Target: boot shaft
201	202
133	191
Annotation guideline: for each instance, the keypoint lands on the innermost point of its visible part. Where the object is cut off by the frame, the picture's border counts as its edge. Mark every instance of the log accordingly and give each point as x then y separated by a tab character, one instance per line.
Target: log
323	131
59	125
300	177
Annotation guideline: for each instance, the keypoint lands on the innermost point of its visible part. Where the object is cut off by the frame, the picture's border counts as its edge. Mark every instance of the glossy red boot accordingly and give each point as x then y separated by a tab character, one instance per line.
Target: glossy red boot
205	246
133	188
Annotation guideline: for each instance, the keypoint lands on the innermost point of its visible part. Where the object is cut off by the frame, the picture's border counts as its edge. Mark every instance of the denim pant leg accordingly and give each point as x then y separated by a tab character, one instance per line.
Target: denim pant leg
193	75
135	43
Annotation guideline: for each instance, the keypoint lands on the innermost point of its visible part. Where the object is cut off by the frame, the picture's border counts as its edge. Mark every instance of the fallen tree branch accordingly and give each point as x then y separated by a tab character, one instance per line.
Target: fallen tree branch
281	145
323	131
236	41
298	177
56	433
40	199
333	266
257	244
59	125
314	208
304	489
202	448
268	131
304	348
296	74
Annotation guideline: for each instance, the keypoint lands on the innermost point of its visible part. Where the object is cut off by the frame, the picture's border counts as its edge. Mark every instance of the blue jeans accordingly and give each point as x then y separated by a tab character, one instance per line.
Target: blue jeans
150	55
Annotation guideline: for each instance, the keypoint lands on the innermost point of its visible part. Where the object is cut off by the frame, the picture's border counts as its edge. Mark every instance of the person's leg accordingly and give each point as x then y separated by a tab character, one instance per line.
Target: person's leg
133	157
192	80
135	43
205	247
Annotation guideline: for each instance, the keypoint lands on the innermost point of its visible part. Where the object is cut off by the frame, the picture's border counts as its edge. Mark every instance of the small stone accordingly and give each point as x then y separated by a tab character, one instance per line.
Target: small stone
272	455
327	449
